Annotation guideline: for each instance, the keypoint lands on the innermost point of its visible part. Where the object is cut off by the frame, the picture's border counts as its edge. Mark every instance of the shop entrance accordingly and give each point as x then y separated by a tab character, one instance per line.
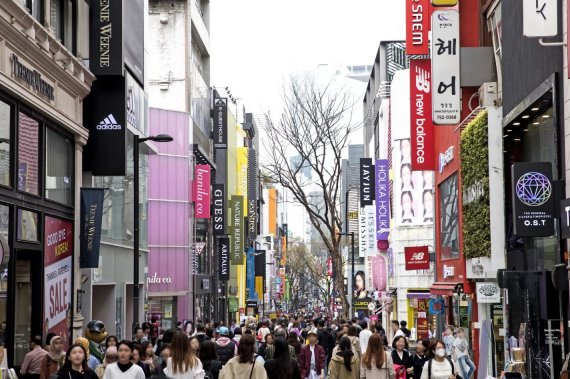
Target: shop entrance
27	301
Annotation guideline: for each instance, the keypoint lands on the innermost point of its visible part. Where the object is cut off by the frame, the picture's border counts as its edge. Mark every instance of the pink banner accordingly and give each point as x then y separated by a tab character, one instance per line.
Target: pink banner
379	277
201	195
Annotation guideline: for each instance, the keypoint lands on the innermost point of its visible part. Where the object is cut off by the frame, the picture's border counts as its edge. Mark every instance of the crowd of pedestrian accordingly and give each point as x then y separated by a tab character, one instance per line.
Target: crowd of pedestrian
278	349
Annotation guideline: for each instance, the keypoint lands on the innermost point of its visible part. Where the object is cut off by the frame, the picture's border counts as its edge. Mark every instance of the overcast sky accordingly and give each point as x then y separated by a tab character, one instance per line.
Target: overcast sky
256	44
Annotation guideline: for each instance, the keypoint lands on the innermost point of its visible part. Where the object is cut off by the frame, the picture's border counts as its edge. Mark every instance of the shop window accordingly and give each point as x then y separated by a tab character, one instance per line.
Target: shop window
59	168
27	226
449	217
4	259
5	142
495	25
28	155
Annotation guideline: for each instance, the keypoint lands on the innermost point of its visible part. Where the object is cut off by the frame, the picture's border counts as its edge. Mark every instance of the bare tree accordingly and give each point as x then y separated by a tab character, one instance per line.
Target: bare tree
314	127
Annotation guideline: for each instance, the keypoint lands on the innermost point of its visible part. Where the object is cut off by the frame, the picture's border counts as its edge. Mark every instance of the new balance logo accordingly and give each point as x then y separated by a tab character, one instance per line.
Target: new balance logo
109	123
417	257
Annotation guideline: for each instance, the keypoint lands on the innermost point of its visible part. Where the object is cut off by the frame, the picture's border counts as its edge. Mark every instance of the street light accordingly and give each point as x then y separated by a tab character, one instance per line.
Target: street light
136	256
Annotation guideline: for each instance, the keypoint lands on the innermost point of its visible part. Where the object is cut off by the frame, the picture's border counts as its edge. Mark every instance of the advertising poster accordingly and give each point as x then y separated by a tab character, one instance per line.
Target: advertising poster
58	248
413	190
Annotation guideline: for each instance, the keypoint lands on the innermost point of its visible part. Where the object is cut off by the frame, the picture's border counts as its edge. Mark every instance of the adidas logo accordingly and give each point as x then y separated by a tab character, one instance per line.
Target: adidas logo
109	123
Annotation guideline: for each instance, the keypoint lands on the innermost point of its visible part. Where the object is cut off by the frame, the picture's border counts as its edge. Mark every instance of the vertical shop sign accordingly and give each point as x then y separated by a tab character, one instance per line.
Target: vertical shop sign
250	273
362	234
201	191
58	263
540	18
236	204
382	200
533	200
224	259
219	209
366	182
90	232
420	115
445	47
221	123
106	37
417	27
370	212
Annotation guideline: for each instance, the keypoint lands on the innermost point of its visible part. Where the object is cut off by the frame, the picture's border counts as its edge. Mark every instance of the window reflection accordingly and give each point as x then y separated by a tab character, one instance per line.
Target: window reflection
4	259
27	225
59	167
28	134
5	127
449	218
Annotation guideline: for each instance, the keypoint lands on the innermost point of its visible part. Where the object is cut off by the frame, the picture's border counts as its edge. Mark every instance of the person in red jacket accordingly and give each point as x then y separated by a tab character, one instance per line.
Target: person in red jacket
312	359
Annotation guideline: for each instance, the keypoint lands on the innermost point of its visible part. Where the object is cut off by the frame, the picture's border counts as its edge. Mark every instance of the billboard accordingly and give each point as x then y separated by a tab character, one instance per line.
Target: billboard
58	268
413	190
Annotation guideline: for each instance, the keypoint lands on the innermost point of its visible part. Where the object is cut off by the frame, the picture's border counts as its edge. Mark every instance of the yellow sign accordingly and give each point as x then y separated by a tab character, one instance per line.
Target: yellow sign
353	215
242	176
444	3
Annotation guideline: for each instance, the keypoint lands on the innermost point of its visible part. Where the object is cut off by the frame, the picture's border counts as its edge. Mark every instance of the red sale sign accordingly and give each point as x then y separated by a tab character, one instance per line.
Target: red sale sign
422	129
417	27
58	266
202	191
417	258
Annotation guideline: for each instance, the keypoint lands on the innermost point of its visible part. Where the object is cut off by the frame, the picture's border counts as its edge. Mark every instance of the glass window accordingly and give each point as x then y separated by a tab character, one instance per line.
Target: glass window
5	134
4	259
34	7
59	167
27	226
61	21
449	227
28	135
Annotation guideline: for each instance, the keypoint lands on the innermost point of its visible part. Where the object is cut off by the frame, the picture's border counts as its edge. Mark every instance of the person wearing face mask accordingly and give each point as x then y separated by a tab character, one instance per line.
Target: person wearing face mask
440	366
461	353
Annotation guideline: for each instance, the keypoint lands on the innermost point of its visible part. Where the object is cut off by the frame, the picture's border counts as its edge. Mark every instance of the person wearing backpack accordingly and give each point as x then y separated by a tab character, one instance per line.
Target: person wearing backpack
226	349
210	362
376	361
440	366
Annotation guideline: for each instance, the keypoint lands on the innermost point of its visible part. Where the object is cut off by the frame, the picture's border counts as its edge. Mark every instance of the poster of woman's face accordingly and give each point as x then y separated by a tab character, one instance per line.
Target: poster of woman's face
414	189
359	286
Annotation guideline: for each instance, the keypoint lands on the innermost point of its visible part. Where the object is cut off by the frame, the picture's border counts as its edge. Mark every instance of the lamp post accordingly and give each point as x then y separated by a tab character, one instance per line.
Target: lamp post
136	238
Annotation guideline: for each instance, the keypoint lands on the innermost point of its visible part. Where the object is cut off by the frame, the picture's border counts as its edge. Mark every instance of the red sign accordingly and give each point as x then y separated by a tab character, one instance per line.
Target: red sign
58	266
417	258
417	27
202	191
422	130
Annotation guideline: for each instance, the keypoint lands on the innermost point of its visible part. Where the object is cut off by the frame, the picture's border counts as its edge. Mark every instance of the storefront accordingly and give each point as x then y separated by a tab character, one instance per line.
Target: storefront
41	138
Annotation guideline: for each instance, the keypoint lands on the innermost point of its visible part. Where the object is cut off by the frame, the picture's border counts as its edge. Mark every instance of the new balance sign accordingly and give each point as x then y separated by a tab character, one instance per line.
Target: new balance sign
417	258
109	123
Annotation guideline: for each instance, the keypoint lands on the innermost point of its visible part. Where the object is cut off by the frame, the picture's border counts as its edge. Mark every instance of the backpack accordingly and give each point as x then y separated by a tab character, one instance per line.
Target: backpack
452	368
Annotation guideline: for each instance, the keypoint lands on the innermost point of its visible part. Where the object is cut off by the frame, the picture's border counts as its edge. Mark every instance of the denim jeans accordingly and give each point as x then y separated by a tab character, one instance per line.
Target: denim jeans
466	360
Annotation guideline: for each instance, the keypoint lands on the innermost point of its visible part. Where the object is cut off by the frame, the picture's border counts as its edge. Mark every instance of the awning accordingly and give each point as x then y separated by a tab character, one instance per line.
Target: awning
442	288
418	295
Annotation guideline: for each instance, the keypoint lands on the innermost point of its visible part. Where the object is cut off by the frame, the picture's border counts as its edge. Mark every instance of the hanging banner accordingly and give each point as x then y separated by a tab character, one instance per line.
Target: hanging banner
422	328
417	258
362	234
417	27
366	182
250	273
219	209
58	267
533	200
370	212
422	137
106	38
221	123
201	193
90	229
382	199
224	259
236	230
446	67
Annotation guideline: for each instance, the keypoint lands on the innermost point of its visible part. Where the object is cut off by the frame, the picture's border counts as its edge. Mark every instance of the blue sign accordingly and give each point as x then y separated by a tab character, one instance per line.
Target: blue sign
436	306
250	273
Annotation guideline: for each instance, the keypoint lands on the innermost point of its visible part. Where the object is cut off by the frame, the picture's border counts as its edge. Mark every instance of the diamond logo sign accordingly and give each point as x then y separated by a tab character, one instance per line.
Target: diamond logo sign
534	189
533	199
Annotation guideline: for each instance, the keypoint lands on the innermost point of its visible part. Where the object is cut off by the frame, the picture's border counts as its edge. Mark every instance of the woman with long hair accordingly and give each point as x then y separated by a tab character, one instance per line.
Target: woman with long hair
209	358
376	362
345	363
75	366
282	366
124	368
440	366
183	363
138	359
401	358
148	356
54	360
244	365
195	345
293	341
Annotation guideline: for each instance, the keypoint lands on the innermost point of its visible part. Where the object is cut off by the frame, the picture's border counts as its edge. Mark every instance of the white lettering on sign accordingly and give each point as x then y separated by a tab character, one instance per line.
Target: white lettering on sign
445	158
448	271
155	279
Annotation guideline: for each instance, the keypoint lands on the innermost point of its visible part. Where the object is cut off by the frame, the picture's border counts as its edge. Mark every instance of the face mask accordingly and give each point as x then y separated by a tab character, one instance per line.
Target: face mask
440	353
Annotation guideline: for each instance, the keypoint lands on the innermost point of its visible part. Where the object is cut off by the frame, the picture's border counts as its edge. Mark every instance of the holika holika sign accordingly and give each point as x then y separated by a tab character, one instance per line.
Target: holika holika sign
533	199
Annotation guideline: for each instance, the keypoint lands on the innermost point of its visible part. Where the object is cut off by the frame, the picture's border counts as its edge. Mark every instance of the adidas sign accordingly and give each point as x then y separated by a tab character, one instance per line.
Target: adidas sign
109	123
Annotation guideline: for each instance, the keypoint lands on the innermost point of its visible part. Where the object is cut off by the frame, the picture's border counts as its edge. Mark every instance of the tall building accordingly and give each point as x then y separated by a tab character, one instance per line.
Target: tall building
42	87
179	81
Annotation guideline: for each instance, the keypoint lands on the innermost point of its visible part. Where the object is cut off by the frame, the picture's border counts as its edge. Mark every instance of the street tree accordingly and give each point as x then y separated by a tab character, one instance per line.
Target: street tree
314	127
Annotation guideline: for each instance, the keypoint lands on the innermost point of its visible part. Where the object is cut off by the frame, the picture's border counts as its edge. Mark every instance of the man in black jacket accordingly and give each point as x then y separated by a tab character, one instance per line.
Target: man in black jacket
226	349
326	340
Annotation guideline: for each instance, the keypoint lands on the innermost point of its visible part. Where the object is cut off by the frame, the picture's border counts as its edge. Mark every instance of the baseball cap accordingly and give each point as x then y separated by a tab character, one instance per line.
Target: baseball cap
224	331
312	331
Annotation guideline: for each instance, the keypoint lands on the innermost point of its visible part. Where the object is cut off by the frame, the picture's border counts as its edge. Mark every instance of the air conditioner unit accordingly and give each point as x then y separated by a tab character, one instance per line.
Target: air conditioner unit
488	95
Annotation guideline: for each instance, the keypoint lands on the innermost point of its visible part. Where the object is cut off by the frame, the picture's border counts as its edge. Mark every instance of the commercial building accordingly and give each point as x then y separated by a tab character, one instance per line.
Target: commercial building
42	88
